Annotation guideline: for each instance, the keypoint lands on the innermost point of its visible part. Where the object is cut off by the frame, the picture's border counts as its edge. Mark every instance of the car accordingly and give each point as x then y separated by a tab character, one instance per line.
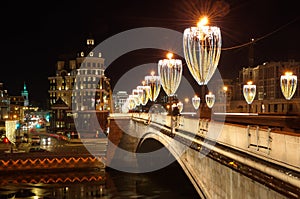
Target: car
6	140
35	140
37	149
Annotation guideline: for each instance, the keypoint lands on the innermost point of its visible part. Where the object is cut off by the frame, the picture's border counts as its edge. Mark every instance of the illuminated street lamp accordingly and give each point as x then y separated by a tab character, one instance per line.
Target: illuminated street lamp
170	72
137	96
131	102
249	91
196	102
144	96
202	50
154	83
288	84
225	89
180	106
210	99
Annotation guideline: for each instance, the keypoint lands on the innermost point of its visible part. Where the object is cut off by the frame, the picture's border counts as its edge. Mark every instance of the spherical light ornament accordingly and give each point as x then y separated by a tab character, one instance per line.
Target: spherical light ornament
288	85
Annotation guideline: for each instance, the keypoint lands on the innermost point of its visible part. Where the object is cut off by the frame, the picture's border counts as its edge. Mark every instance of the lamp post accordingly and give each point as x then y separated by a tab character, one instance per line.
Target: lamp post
210	99
288	85
187	106
144	95
202	50
137	94
196	102
154	83
249	91
180	106
131	102
170	73
225	89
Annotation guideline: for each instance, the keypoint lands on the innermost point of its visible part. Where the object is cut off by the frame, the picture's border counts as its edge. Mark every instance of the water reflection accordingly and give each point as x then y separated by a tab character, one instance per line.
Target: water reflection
167	183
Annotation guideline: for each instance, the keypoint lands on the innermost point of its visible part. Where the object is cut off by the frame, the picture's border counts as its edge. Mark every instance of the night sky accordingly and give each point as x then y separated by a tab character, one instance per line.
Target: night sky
36	33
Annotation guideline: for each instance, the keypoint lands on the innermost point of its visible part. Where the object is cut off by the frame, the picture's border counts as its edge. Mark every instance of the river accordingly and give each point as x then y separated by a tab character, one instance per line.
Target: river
167	183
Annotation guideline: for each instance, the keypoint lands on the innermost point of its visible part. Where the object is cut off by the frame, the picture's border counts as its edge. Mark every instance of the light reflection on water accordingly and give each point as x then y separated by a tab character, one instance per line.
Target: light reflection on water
167	183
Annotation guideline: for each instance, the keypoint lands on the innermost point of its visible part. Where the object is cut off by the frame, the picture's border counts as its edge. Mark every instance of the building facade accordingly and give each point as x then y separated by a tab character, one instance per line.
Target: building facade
269	98
80	91
119	99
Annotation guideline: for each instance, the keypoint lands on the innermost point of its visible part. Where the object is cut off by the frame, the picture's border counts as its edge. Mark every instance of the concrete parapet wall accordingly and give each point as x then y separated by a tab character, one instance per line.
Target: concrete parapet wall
279	147
218	180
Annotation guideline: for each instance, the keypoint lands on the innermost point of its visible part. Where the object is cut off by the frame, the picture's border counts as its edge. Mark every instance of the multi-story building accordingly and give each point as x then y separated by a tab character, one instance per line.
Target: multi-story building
269	98
25	95
80	92
4	104
119	100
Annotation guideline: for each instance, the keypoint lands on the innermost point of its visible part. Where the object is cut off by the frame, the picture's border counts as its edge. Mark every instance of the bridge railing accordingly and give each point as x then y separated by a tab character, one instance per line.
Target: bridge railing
274	146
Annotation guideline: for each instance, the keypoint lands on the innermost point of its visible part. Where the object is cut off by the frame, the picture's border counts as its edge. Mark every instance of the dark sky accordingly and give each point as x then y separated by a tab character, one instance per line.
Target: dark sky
36	33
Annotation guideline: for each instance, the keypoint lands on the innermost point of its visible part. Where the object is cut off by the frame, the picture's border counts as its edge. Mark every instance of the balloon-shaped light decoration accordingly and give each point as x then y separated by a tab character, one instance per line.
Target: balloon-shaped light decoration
288	84
180	106
196	102
137	96
146	93
154	83
131	102
249	91
202	50
170	72
210	99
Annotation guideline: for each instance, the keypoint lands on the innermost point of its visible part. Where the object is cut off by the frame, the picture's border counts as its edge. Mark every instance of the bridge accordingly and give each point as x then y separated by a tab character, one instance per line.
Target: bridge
221	159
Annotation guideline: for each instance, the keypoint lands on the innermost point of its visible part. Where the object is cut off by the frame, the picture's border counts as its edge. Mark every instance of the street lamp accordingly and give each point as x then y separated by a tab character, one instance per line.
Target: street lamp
137	96
210	99
196	102
288	84
154	83
170	73
249	91
202	50
225	89
131	102
144	95
180	106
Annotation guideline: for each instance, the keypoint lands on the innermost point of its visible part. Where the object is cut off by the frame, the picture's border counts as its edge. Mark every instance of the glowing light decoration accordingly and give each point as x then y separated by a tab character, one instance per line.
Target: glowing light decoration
210	99
180	106
196	102
137	96
288	84
154	83
170	73
131	102
145	95
249	91
202	50
10	130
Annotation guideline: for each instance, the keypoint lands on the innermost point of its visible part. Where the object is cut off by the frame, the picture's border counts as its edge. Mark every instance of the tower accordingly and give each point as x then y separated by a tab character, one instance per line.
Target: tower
24	93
